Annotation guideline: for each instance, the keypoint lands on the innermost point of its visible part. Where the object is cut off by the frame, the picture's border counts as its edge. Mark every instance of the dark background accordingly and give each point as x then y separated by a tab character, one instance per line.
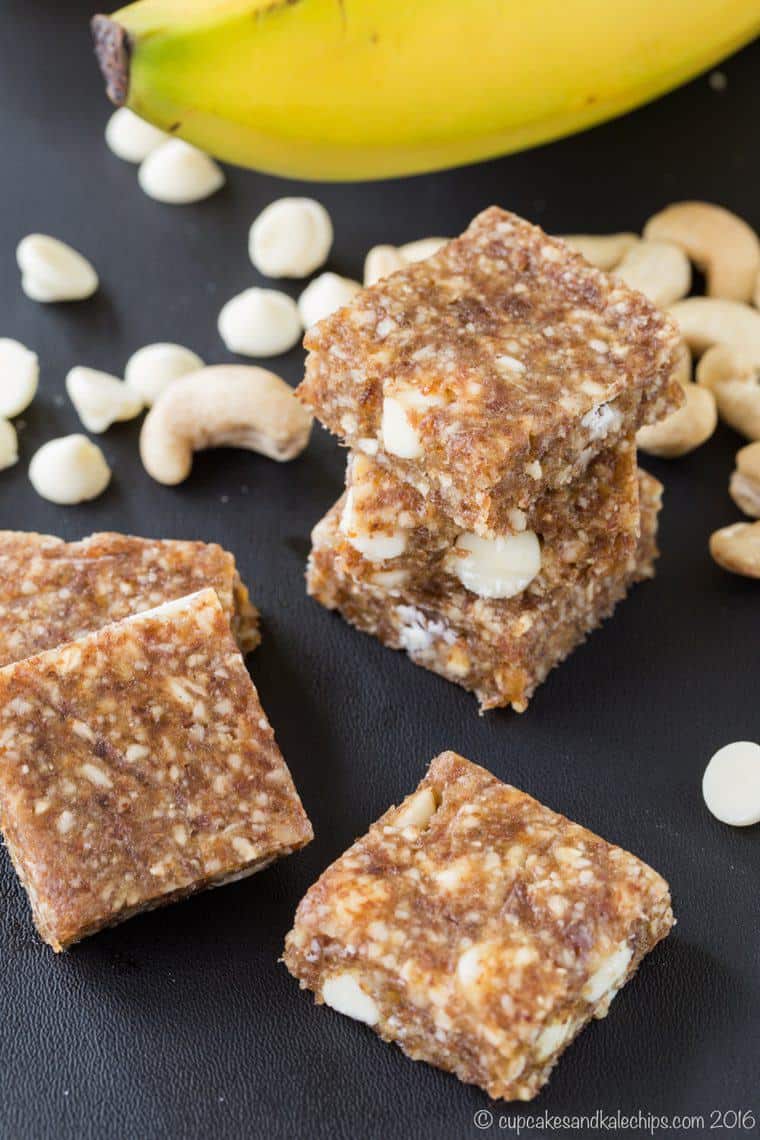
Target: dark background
182	1023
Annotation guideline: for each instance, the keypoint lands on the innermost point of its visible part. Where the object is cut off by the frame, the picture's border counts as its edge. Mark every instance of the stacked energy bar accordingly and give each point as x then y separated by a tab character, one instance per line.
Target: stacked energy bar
493	512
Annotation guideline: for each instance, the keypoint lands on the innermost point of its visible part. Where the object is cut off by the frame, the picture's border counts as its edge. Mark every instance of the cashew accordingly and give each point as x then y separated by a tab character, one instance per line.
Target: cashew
177	173
717	241
605	251
260	322
756	294
229	405
744	487
130	137
69	470
658	269
19	376
682	369
291	237
8	445
324	295
735	383
705	321
153	367
101	399
381	261
53	271
737	548
684	430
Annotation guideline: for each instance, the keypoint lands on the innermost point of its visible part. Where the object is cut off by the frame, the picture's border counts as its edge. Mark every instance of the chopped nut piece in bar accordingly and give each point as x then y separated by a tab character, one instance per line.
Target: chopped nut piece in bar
477	929
53	591
137	766
499	648
390	536
492	371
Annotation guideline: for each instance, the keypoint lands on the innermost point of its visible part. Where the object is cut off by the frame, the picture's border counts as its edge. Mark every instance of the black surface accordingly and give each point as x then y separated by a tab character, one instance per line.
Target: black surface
182	1023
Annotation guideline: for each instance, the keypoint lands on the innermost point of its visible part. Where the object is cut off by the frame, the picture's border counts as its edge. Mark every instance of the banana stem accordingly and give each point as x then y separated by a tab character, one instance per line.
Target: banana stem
112	51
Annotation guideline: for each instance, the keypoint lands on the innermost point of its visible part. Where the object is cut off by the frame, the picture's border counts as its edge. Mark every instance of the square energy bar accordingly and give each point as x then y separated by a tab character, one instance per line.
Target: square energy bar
499	648
477	929
53	591
492	371
392	536
137	766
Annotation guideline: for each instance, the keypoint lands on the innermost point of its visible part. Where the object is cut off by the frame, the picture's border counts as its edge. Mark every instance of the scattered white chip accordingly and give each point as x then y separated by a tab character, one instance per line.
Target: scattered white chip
8	445
53	271
422	249
400	437
71	469
260	322
731	784
343	993
417	811
381	261
178	173
101	399
609	975
496	567
324	295
291	237
19	376
130	137
152	368
375	546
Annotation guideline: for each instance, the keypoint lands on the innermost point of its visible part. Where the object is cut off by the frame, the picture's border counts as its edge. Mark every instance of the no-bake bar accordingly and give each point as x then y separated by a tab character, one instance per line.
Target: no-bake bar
477	929
390	536
492	371
53	591
137	766
499	648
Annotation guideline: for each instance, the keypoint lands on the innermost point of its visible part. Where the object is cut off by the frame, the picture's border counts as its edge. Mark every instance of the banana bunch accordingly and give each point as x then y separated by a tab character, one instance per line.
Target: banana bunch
356	89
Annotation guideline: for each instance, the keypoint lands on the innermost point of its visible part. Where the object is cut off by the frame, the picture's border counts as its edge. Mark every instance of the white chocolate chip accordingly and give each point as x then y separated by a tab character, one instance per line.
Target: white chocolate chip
381	261
152	368
19	376
260	322
399	436
69	470
731	784
417	811
421	249
324	295
65	821
8	445
130	137
343	993
101	399
177	173
609	974
375	547
601	420
290	238
496	567
53	271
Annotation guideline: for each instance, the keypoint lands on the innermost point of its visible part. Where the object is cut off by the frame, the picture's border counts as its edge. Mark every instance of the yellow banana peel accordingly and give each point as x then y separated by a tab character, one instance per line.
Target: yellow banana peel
358	89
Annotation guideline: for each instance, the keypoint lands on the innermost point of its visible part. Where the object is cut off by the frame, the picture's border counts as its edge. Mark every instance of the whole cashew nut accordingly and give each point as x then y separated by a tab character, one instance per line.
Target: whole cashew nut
737	548
744	487
717	241
605	251
684	430
735	383
705	321
658	269
229	405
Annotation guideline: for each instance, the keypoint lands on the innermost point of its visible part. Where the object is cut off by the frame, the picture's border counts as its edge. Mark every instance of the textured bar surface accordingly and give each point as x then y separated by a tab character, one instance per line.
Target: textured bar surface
137	766
477	929
500	649
390	536
492	371
53	591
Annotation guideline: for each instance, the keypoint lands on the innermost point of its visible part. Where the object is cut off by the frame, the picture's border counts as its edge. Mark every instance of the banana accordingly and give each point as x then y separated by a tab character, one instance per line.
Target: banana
359	89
